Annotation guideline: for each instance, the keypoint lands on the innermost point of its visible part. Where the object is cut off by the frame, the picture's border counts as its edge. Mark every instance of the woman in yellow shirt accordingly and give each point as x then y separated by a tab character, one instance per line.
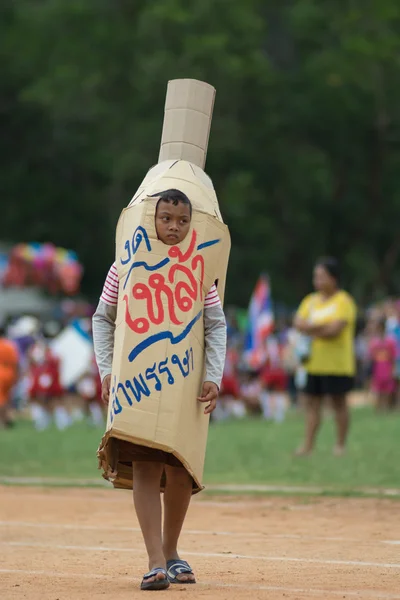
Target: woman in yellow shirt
328	317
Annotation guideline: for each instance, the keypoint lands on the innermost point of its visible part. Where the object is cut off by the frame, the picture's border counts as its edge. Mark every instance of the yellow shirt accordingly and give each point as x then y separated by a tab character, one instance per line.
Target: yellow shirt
331	356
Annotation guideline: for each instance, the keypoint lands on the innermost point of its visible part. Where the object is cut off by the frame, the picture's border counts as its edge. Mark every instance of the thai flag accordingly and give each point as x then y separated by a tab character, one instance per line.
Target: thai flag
260	322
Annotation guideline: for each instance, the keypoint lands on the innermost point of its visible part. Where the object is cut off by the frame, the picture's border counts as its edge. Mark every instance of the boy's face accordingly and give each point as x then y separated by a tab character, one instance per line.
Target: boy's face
172	222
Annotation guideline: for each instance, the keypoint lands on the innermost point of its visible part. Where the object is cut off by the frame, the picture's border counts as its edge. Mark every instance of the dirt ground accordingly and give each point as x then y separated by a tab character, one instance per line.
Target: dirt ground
80	544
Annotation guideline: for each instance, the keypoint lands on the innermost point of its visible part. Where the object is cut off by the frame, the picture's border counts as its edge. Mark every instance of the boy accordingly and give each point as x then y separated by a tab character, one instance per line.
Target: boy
172	220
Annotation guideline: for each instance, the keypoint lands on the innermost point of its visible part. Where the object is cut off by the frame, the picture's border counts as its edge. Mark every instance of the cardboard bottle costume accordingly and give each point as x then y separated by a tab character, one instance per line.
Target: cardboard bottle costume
158	362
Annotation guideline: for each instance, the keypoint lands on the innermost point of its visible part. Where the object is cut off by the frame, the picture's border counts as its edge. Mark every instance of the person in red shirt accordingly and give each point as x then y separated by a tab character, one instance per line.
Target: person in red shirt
45	390
230	385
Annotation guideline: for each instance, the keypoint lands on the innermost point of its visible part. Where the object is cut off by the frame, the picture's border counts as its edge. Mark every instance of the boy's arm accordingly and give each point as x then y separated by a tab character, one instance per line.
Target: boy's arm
103	337
215	343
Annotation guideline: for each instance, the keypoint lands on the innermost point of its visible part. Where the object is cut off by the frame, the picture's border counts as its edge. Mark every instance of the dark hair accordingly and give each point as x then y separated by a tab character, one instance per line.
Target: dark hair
331	265
173	196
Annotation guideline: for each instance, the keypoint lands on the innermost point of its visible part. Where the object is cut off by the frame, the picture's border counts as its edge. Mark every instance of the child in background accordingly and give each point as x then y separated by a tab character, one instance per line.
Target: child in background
274	381
251	392
45	390
23	333
392	311
89	389
230	404
382	354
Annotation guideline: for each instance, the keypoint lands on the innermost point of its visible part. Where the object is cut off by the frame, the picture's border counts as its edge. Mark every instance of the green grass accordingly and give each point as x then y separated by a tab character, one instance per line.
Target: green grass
257	452
243	452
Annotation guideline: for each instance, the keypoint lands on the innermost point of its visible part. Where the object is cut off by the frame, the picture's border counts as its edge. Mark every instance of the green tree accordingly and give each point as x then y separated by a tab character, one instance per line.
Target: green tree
304	150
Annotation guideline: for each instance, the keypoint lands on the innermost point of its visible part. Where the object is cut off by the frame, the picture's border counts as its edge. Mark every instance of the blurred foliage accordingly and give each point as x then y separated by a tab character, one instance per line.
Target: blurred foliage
304	150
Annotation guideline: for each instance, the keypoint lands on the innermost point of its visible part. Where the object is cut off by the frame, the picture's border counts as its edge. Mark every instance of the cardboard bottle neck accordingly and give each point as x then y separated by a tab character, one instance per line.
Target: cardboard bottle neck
187	121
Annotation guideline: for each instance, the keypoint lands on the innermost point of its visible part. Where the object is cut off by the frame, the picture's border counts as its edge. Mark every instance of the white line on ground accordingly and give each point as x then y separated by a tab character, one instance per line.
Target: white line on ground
56	481
343	593
246	535
394	542
354	563
223	488
120	496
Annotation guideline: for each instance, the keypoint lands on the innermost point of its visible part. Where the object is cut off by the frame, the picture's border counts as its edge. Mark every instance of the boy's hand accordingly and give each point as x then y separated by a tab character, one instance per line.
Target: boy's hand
209	394
105	388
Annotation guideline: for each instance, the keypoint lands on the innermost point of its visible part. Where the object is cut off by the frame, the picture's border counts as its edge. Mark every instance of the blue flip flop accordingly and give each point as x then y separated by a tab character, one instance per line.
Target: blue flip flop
177	567
158	584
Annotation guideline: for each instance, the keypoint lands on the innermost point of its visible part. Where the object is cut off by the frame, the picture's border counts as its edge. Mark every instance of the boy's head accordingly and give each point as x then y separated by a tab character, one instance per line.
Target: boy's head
173	216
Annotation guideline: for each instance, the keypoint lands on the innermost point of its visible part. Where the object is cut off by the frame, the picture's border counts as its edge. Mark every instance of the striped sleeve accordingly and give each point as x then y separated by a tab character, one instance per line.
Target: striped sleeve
212	298
109	294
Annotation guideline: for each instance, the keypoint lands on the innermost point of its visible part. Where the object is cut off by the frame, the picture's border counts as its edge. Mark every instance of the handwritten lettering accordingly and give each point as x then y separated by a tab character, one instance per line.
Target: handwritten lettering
127	397
132	246
127	247
157	283
116	406
162	368
183	365
176	252
150	374
191	354
164	296
138	386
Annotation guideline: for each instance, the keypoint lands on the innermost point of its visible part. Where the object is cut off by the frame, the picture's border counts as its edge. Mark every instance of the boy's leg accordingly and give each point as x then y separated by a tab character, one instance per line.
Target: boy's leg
147	499
177	495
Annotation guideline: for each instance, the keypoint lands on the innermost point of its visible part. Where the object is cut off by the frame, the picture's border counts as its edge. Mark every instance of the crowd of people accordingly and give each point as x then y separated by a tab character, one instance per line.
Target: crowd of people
30	381
277	383
378	354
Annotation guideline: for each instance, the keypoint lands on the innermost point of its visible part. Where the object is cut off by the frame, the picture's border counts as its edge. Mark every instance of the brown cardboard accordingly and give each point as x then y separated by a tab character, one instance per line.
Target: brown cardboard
185	176
158	365
187	120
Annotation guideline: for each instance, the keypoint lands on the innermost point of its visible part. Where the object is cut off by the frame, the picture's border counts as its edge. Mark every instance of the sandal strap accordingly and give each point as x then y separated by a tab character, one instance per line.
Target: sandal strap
154	572
179	567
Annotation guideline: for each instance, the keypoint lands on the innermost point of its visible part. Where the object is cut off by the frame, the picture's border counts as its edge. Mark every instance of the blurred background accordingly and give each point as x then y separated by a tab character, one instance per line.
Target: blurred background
304	154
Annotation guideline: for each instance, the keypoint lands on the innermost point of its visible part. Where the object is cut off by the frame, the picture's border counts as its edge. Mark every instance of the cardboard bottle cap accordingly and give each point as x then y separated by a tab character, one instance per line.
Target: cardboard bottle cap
187	121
